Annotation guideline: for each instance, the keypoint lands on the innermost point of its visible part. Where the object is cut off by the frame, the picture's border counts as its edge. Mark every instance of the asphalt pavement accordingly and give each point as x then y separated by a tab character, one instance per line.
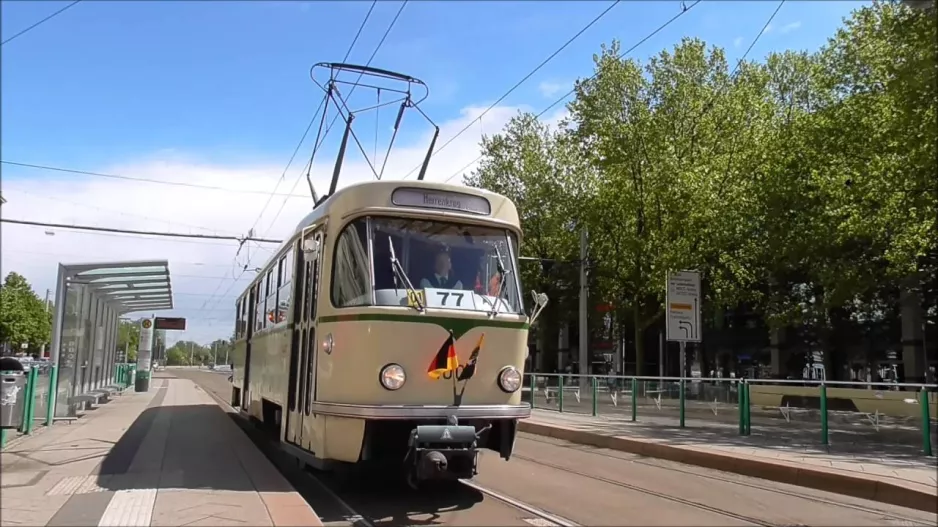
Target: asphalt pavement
552	482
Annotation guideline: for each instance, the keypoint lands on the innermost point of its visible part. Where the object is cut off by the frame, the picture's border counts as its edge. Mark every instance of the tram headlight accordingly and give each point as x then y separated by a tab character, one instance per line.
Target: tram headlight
328	343
393	377
509	379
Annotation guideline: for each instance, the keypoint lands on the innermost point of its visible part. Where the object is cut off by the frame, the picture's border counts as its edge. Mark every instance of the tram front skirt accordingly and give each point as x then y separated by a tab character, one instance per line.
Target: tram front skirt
441	452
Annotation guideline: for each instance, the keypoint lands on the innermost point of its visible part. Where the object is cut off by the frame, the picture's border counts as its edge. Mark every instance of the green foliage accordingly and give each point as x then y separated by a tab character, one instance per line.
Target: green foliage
798	186
24	318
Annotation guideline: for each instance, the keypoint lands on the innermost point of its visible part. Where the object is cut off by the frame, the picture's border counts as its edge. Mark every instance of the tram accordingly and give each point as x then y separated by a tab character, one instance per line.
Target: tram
390	328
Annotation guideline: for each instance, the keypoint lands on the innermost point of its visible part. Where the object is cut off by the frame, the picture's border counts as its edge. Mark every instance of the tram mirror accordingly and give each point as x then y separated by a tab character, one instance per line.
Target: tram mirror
540	300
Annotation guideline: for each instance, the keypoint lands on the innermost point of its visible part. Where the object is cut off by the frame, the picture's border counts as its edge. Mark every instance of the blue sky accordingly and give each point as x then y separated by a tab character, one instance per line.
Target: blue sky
219	91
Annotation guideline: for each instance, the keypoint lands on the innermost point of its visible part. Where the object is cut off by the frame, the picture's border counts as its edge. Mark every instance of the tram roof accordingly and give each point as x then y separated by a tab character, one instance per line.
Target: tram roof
378	194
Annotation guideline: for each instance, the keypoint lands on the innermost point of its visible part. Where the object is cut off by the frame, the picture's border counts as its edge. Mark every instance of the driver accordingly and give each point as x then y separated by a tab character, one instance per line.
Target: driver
442	277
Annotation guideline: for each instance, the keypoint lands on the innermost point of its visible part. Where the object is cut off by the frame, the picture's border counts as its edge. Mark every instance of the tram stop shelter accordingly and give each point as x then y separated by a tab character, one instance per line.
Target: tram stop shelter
89	300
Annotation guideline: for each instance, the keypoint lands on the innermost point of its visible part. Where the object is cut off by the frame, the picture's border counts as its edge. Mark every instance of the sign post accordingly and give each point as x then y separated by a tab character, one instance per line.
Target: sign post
683	311
144	352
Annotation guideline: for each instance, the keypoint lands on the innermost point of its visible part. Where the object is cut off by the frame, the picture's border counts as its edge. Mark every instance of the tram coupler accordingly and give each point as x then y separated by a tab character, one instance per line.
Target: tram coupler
441	452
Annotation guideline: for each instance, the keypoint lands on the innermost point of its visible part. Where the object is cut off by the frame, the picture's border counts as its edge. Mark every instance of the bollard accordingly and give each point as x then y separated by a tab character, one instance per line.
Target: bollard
533	388
634	399
926	424
28	397
32	381
53	390
682	396
740	401
595	405
824	432
748	409
560	393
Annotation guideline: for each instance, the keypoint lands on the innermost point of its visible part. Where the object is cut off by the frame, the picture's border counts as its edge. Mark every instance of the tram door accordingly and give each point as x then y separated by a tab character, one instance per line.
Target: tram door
303	346
252	316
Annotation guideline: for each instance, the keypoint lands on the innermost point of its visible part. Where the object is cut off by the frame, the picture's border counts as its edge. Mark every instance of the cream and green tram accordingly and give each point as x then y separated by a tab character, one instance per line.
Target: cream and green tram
390	328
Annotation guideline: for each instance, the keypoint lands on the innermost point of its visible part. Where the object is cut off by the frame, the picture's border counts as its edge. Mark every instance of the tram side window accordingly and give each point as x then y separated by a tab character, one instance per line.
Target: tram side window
245	313
271	302
286	283
260	315
238	319
351	280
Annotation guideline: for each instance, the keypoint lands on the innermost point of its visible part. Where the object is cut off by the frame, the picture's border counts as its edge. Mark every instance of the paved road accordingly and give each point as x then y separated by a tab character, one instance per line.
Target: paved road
585	486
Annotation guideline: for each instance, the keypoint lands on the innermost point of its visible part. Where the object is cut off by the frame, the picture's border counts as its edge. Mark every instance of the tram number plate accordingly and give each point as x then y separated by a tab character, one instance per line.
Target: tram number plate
450	299
416	298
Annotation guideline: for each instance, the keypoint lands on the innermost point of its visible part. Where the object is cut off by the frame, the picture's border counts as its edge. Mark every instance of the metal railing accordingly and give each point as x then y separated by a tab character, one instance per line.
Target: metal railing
890	414
40	390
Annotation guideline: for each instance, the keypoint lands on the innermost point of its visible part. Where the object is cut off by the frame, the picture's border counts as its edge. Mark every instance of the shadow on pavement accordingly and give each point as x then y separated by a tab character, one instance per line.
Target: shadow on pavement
184	447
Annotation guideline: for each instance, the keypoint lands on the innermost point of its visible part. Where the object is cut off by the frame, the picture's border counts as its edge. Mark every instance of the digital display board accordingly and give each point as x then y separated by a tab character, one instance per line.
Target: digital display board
170	323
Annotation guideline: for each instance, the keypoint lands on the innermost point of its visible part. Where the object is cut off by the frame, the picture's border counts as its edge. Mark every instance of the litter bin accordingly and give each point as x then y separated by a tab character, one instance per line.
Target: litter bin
142	381
12	398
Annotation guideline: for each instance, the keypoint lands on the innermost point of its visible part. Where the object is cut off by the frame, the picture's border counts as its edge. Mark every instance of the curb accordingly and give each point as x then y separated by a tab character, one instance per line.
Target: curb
779	471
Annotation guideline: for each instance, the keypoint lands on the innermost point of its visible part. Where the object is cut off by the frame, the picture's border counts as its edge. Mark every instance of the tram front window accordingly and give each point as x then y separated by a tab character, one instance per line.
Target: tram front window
453	266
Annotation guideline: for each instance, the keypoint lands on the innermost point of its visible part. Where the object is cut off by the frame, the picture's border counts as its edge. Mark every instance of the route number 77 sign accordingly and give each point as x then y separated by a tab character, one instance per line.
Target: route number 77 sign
682	307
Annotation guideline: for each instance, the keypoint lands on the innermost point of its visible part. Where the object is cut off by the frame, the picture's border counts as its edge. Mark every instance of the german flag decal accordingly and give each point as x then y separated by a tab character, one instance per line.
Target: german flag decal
445	360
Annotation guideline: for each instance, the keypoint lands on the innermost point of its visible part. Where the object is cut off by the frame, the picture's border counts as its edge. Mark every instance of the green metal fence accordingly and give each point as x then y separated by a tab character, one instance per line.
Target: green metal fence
38	405
894	416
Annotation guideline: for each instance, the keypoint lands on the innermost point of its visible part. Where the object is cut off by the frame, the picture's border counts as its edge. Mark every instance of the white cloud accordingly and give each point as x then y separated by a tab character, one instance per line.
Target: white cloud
198	269
788	28
551	88
768	29
738	41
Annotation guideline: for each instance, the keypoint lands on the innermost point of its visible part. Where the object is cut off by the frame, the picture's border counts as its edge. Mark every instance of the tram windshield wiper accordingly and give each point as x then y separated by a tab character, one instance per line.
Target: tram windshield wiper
502	274
400	275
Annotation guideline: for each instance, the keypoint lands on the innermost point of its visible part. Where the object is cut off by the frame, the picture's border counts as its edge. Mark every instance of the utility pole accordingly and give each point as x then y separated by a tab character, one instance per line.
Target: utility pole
227	346
190	354
584	295
215	353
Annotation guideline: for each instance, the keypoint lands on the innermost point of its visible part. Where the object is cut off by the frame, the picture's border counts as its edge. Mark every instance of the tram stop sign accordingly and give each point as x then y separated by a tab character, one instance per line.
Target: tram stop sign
177	324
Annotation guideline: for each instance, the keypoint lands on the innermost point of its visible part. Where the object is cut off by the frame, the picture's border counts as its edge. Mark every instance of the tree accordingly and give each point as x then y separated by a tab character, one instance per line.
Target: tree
176	357
540	170
24	318
657	139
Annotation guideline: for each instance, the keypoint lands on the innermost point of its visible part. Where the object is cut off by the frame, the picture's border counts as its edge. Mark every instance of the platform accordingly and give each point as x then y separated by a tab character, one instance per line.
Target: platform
170	457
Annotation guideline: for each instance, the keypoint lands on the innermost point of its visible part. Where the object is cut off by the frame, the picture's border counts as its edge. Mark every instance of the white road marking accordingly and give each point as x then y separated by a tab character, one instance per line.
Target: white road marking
129	508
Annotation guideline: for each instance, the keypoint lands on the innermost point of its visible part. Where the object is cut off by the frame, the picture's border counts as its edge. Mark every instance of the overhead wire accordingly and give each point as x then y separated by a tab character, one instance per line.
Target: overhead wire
322	106
115	230
147	180
519	83
316	146
39	23
660	28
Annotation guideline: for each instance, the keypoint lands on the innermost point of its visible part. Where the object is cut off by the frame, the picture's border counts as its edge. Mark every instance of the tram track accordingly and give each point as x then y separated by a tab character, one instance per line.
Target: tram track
733	480
350	511
504	495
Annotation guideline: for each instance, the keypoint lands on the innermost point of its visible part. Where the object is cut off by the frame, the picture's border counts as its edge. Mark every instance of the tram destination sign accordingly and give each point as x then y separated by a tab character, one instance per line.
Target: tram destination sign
170	323
682	306
441	199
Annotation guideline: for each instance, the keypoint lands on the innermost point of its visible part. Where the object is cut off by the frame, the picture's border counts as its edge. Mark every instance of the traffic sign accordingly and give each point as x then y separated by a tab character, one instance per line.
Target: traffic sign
682	307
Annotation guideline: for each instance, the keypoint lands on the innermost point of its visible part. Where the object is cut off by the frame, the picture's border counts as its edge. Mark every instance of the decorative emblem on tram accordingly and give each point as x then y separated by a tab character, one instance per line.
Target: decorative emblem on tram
445	365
